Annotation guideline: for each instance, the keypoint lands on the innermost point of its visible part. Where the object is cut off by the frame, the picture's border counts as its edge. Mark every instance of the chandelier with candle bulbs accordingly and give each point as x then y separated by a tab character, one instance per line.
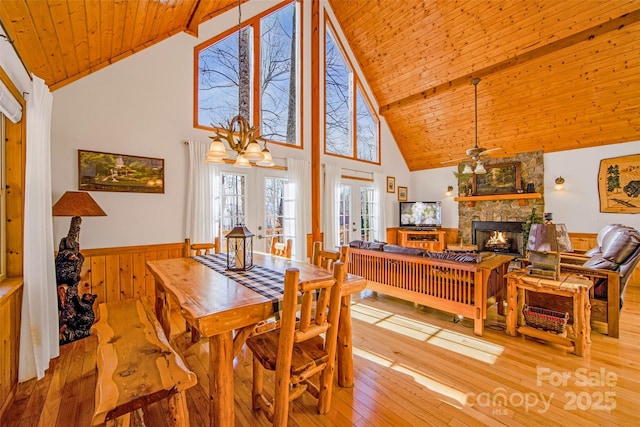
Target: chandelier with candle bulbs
238	133
240	137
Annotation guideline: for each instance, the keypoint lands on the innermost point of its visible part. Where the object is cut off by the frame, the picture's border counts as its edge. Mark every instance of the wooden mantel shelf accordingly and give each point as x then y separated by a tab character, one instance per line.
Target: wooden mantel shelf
521	197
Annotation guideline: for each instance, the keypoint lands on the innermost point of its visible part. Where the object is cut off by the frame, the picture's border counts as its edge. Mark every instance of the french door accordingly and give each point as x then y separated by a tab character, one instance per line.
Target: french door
357	212
259	199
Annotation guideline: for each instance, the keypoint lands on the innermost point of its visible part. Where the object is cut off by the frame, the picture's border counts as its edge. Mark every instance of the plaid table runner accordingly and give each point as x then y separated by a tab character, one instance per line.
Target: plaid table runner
266	282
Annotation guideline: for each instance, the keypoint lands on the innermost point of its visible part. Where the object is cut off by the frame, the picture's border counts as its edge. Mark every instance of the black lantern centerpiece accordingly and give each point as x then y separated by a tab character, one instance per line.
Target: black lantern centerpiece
240	249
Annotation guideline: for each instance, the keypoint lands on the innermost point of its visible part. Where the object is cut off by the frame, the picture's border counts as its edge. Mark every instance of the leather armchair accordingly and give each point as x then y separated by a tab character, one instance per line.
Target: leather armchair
609	265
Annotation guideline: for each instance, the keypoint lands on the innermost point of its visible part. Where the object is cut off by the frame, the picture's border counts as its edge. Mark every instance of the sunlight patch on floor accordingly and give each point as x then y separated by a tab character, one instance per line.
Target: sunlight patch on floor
432	384
464	345
375	358
418	377
478	349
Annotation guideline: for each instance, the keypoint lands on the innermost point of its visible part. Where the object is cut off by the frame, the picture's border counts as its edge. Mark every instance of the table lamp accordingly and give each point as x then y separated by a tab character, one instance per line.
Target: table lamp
545	243
75	315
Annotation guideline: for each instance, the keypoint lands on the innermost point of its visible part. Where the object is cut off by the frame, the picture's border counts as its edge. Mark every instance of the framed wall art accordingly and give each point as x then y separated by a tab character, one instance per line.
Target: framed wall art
391	184
503	178
619	184
99	171
402	194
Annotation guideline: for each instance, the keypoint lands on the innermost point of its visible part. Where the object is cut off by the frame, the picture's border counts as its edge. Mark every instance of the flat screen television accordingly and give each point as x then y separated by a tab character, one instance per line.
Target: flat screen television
421	215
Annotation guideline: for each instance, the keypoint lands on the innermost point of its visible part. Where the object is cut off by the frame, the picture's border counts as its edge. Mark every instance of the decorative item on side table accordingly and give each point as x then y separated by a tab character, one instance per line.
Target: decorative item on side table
545	242
75	314
240	249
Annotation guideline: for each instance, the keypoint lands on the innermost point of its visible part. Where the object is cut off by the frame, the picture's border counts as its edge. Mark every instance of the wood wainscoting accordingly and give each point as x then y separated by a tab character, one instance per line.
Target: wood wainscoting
10	319
115	274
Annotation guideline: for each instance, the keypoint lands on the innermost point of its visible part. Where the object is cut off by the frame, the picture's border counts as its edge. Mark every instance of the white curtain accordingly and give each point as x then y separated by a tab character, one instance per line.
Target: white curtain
380	189
39	327
299	177
202	190
331	205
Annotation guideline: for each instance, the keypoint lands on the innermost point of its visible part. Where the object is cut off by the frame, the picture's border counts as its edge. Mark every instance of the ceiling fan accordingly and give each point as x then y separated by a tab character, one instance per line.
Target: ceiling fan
475	154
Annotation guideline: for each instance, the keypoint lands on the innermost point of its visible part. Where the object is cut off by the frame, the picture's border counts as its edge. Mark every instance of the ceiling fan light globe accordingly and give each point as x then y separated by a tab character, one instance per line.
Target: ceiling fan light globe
467	170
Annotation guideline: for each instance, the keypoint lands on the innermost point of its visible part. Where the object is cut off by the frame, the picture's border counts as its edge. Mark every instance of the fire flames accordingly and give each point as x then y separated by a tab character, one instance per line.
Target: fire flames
497	239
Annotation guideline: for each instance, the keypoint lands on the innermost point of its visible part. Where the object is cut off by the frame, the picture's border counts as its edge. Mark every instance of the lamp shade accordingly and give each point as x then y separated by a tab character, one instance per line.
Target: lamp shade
549	238
77	203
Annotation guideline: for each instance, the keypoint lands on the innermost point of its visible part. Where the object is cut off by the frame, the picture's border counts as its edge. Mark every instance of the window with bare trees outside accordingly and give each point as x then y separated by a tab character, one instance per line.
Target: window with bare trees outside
351	126
257	77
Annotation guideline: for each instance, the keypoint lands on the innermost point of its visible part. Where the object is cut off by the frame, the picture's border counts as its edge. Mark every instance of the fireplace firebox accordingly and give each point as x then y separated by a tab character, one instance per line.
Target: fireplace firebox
503	237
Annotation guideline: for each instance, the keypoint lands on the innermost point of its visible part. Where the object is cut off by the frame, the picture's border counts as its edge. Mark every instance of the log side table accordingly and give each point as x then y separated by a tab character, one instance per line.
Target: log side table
568	285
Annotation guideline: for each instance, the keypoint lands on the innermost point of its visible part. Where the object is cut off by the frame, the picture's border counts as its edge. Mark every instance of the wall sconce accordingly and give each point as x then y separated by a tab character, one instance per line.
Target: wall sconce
559	184
449	191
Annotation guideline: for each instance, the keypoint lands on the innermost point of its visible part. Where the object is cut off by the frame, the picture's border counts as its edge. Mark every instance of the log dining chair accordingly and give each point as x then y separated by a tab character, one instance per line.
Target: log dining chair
281	248
302	360
199	249
326	258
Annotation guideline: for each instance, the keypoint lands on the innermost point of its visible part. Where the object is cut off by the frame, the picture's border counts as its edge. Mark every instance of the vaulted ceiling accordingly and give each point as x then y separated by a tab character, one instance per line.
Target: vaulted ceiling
555	75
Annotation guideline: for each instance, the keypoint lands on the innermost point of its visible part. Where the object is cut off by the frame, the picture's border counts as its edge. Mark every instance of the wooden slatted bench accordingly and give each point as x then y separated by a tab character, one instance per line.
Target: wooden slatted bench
136	366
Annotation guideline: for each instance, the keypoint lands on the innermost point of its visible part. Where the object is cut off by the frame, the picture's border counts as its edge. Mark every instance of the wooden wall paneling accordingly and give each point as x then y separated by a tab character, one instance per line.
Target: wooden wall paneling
10	317
126	276
85	285
139	273
112	276
150	283
98	276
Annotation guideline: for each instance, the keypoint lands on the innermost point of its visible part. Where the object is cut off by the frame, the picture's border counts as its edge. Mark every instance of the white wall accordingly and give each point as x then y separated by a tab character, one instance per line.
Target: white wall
143	105
577	206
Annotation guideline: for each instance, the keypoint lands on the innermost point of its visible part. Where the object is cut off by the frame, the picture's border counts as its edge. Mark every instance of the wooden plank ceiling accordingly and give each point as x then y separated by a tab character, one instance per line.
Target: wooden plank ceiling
555	75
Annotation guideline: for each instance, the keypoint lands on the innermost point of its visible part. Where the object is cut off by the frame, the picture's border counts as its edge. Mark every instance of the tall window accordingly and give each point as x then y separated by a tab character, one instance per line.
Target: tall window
264	77
367	214
345	214
279	220
351	127
233	201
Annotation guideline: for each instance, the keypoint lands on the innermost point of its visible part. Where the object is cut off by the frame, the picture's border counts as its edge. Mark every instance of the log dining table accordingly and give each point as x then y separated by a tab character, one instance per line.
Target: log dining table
225	311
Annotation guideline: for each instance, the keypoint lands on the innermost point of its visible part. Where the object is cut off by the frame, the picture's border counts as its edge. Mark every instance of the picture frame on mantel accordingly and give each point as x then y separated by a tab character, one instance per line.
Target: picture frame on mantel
502	178
402	194
391	184
99	171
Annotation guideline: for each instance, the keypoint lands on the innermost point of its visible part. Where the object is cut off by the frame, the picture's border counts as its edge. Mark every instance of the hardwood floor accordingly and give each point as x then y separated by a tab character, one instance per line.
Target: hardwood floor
413	367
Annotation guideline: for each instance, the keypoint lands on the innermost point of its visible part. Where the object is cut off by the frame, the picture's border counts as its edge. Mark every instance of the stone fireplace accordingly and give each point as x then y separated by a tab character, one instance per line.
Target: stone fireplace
505	211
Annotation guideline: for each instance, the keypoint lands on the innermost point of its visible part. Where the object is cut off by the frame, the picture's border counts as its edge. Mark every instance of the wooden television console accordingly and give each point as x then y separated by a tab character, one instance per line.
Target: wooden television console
430	240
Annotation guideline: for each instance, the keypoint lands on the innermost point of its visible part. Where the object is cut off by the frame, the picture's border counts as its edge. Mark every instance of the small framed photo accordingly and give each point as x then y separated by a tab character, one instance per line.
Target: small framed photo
402	194
391	184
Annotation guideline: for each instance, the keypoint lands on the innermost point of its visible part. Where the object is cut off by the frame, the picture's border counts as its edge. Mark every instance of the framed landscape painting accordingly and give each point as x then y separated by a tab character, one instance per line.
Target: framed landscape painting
503	178
99	171
619	184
